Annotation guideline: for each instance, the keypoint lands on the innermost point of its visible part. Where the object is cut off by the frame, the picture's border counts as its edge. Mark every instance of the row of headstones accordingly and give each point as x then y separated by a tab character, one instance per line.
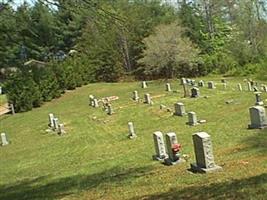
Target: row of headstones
257	116
202	143
251	88
168	86
95	103
184	81
55	125
147	98
202	148
201	83
179	110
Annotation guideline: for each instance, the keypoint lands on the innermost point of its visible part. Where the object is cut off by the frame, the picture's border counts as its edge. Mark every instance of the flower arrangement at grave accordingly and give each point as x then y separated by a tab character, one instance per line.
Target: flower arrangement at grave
176	149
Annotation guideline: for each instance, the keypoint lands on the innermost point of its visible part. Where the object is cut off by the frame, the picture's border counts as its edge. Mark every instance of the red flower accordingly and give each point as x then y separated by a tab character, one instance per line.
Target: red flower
176	147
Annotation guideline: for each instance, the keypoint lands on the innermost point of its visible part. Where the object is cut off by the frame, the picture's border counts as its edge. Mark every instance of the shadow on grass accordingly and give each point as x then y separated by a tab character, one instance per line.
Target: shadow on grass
249	188
36	189
257	142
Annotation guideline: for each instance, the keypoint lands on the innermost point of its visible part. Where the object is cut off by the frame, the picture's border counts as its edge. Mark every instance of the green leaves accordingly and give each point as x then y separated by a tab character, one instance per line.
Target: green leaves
167	51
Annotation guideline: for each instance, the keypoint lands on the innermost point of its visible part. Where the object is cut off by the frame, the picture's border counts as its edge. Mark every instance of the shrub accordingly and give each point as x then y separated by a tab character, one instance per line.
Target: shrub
23	92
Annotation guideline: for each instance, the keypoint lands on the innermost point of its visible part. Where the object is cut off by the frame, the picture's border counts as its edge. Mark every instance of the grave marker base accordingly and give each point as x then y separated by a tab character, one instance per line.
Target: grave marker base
253	126
197	169
155	157
259	103
132	136
192	124
168	161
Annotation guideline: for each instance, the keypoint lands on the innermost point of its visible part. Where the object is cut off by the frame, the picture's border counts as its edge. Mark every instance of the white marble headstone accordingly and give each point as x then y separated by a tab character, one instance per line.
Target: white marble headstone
257	117
132	134
179	109
203	153
4	139
168	87
192	119
159	146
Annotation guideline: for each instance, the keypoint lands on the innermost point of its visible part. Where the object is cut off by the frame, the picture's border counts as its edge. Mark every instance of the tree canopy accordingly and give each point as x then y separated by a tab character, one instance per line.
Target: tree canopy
84	41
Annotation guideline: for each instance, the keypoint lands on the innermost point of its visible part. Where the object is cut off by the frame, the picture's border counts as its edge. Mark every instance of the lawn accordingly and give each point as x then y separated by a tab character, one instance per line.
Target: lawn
96	160
3	99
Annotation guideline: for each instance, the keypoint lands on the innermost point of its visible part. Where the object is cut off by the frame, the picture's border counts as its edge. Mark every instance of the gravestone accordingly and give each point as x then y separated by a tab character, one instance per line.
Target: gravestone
95	103
91	100
249	86
211	85
183	81
259	102
173	149
257	117
161	106
192	119
255	89
188	81
51	118
147	98
168	87
109	109
239	86
55	123
201	83
61	129
144	85
135	96
159	146
4	140
204	154
192	82
224	86
132	134
179	109
195	92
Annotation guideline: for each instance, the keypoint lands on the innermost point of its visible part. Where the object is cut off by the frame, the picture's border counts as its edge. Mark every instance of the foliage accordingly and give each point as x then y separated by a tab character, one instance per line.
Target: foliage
168	52
47	82
113	39
23	92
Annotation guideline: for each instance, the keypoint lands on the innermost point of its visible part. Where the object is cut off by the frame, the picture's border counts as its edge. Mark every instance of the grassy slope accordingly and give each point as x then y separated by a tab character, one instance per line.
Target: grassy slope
96	160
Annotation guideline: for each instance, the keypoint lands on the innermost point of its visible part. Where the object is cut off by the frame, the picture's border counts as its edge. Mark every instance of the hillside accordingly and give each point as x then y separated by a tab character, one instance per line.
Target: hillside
96	160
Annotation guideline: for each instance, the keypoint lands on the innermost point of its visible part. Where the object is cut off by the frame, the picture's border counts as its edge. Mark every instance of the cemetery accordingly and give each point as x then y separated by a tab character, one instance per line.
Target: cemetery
133	100
108	143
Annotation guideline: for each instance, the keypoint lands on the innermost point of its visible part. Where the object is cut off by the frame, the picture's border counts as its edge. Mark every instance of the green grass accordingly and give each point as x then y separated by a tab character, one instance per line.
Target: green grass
96	160
3	99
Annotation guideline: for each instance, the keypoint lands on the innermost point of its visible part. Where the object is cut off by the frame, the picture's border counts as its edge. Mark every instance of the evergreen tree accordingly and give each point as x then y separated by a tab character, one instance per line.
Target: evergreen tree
23	92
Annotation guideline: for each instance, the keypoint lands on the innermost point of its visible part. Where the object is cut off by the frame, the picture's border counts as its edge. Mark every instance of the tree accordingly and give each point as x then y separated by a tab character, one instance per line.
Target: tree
22	91
168	52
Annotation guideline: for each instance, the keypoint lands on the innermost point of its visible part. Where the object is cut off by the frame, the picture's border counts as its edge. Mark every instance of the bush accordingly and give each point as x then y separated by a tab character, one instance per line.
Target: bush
23	92
262	71
219	62
47	82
